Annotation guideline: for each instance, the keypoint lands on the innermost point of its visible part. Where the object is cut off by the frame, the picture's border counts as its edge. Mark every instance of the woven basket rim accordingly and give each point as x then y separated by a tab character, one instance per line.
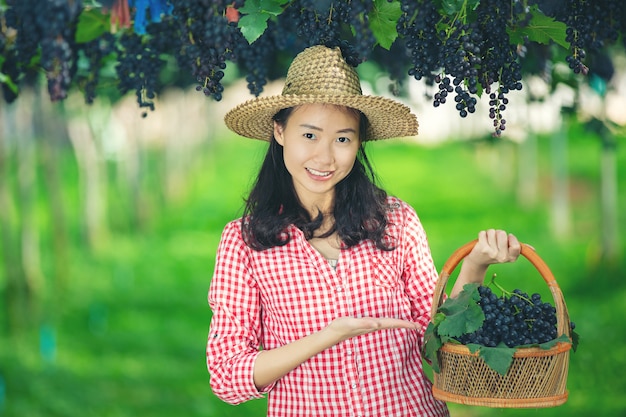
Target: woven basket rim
542	402
520	352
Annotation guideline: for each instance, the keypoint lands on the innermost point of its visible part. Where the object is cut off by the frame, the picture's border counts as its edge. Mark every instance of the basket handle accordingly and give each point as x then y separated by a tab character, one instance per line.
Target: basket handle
563	322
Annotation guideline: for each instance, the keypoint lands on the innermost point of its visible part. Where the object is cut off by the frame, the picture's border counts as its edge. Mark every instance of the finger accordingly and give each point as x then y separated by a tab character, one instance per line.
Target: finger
491	237
502	242
515	247
392	323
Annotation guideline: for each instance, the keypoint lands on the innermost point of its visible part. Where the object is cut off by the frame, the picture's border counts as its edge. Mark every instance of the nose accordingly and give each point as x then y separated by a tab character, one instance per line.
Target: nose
324	153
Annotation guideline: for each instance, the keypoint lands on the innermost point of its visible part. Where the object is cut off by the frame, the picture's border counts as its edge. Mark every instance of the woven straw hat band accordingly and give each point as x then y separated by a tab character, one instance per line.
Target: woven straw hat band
321	71
321	75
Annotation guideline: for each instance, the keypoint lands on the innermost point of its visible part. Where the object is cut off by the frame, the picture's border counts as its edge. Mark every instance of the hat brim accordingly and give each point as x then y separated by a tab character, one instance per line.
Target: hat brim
386	118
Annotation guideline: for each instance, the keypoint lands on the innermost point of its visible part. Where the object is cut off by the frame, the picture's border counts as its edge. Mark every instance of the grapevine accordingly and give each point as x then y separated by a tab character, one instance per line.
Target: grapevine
464	49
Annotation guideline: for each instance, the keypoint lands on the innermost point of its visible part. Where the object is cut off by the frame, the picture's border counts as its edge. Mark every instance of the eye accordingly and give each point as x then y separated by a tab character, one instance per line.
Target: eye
343	139
309	135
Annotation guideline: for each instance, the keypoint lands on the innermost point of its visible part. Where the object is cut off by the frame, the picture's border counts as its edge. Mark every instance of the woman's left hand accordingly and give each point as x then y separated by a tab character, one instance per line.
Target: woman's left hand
494	247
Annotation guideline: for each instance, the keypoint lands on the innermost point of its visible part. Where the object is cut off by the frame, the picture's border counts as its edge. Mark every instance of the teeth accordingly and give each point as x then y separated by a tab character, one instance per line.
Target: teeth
318	173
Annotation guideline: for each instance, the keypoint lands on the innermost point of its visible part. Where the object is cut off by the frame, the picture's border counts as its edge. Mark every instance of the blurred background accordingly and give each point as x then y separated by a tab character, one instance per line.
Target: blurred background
110	222
110	217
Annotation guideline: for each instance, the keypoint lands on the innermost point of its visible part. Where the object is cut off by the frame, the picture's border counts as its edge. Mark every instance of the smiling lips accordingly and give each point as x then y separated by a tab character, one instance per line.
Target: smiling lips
316	173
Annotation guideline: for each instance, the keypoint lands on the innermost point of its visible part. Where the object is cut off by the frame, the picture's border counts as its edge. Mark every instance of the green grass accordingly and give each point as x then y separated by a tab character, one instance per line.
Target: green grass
131	325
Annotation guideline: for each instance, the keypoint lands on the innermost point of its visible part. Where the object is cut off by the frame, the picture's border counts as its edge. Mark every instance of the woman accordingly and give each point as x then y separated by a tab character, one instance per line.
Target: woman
322	291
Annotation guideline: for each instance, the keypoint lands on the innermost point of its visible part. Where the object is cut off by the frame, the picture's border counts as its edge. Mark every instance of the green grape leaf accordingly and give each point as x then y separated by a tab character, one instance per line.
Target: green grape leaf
256	13
269	7
463	314
383	18
498	358
550	344
455	305
432	343
92	23
253	25
439	317
541	29
5	79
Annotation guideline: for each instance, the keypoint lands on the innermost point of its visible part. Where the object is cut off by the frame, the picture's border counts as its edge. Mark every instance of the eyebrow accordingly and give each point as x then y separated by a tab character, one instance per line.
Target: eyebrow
312	127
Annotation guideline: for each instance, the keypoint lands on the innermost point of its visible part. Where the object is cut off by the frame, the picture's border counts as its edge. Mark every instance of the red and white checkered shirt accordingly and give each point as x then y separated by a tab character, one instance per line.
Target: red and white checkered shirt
270	298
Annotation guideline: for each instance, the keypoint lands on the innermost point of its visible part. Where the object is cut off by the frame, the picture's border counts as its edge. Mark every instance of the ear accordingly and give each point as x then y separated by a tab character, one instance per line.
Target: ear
278	133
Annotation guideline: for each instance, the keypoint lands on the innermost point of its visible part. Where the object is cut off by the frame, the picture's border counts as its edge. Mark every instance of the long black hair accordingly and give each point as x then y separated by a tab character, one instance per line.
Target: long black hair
359	211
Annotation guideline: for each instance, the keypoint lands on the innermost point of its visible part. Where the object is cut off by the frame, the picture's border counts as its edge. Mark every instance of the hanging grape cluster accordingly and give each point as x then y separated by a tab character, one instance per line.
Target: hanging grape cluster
590	26
45	29
464	50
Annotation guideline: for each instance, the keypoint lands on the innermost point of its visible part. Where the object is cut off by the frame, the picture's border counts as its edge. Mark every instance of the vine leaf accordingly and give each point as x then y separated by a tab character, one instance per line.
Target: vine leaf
256	14
91	24
432	343
498	358
541	29
463	314
5	79
383	18
253	25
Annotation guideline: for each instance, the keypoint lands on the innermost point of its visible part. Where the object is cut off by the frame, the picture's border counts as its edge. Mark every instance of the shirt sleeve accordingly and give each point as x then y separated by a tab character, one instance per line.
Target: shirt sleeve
235	331
420	275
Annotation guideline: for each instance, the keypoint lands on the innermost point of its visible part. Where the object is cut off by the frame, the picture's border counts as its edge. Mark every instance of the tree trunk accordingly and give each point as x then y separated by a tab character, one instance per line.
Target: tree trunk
609	210
15	289
561	221
50	157
27	180
88	158
527	171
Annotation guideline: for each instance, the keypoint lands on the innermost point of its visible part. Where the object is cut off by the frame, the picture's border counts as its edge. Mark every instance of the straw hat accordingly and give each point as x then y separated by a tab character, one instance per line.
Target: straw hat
321	75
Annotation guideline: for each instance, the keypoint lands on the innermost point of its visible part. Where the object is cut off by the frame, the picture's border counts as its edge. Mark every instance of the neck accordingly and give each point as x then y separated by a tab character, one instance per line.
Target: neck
327	213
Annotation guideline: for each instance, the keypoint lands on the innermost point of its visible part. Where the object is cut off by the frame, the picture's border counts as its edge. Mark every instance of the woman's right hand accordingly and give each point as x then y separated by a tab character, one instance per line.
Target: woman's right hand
344	328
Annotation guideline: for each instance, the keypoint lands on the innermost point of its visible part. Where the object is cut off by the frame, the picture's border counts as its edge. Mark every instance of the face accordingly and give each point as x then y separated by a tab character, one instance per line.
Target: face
320	143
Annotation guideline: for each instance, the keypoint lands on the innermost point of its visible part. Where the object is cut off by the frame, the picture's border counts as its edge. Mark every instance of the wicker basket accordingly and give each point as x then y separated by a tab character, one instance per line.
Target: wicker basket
537	377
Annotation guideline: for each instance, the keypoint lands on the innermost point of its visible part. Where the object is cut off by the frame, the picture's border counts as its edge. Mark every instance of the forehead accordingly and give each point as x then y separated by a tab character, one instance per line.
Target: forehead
312	108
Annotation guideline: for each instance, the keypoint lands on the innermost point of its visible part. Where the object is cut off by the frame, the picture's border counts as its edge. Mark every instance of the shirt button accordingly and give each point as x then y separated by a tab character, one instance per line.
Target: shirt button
339	288
353	386
349	352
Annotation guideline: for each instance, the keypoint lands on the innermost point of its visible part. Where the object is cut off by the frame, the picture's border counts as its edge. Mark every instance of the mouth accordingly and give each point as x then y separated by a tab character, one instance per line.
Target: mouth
319	173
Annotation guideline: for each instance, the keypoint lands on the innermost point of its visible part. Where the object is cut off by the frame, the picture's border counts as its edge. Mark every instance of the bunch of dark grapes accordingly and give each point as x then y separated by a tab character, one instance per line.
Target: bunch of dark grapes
392	60
57	22
500	65
207	40
461	63
328	23
138	68
418	26
515	320
255	61
49	28
22	17
314	24
472	54
357	16
94	52
591	25
10	69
